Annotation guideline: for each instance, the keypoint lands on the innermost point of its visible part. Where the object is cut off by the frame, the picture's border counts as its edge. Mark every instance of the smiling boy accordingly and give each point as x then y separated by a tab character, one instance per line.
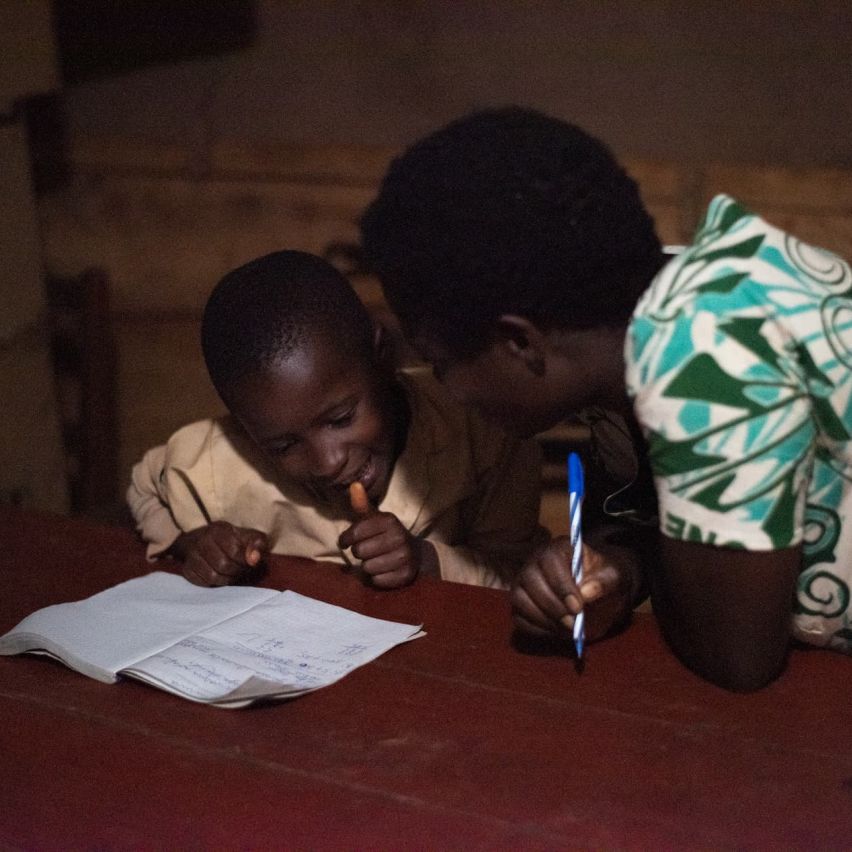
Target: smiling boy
315	404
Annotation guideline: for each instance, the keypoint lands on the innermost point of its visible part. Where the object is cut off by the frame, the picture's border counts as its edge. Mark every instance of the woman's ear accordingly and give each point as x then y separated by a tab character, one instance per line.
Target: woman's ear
384	350
523	340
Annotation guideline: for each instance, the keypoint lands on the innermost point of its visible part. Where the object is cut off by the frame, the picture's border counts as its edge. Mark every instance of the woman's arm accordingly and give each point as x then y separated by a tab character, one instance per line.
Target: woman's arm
725	612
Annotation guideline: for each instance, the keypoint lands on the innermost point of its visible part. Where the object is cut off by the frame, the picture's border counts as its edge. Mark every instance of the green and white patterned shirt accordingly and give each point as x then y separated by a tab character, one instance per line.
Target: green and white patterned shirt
739	363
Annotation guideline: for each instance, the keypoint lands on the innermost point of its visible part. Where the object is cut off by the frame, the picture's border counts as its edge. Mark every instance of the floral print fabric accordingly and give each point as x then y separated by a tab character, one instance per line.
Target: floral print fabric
739	363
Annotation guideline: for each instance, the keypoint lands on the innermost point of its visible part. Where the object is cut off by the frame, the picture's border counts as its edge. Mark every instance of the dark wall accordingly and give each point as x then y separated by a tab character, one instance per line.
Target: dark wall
755	82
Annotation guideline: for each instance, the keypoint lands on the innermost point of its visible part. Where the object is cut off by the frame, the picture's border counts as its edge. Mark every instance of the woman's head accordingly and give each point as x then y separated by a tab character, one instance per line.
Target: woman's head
508	211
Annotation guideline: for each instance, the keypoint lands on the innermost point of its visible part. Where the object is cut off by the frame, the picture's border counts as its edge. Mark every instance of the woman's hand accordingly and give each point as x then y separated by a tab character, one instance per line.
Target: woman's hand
546	600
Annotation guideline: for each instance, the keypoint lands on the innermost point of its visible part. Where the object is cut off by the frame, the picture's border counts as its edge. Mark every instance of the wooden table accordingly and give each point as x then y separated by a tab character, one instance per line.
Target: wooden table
454	741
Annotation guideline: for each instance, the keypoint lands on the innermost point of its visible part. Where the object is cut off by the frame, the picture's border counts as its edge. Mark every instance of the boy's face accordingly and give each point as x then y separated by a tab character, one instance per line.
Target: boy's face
324	419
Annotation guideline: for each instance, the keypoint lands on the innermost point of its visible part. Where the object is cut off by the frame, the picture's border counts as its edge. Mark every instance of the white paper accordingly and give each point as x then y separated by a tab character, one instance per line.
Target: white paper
117	627
293	641
228	645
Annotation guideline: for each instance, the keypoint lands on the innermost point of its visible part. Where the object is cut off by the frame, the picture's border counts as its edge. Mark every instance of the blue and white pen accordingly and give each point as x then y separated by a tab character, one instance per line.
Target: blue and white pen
576	489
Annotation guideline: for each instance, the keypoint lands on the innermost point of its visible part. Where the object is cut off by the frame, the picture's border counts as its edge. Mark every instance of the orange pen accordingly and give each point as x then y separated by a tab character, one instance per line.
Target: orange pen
359	499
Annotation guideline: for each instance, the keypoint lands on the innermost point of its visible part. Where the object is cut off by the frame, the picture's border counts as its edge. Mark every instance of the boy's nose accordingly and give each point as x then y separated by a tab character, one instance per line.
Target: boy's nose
328	460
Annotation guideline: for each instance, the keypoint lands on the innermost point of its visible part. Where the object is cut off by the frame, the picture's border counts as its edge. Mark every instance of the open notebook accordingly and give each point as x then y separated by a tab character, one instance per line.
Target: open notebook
228	646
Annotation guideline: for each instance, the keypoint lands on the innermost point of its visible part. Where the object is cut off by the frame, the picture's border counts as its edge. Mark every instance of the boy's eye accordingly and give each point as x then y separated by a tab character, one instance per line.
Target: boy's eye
343	419
281	448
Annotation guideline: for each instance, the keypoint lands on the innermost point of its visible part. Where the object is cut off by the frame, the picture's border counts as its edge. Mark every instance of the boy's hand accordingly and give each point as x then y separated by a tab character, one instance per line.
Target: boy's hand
220	553
391	556
545	598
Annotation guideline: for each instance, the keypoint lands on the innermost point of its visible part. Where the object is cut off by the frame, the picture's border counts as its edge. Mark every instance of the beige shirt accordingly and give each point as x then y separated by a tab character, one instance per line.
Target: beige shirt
460	483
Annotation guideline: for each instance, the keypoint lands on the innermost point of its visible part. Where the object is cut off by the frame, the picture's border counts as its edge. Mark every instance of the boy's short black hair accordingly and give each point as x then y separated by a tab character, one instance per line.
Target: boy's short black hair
261	312
508	211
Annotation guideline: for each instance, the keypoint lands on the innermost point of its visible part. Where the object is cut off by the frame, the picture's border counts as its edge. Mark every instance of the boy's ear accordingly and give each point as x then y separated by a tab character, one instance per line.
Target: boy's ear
522	339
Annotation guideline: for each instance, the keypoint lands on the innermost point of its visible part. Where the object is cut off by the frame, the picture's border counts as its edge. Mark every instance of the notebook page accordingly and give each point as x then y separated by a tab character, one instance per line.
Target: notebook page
298	643
103	634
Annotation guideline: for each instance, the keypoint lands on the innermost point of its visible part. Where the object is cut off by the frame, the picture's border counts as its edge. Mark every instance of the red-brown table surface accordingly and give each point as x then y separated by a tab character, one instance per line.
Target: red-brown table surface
455	740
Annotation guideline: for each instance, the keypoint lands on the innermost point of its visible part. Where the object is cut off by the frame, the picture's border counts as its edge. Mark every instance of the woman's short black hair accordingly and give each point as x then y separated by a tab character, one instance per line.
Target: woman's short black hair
261	312
508	211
